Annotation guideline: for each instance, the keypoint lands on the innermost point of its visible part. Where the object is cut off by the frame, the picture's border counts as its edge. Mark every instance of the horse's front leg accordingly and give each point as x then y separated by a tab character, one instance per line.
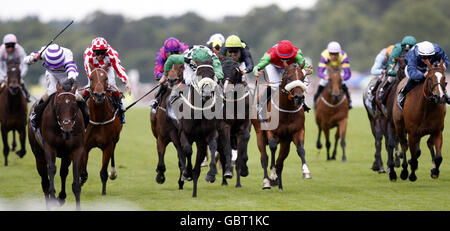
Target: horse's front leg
211	175
107	153
412	139
186	147
161	167
327	142
241	161
273	144
77	158
201	153
22	135
342	133
63	172
50	157
5	144
437	159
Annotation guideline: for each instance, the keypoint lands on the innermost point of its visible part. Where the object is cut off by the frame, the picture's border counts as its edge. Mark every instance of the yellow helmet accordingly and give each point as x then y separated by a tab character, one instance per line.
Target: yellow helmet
233	41
216	44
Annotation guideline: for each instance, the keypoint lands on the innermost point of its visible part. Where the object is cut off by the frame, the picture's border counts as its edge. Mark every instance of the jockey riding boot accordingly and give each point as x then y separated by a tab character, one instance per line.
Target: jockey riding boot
161	91
36	113
259	107
347	93
121	110
318	92
373	91
84	110
25	92
402	94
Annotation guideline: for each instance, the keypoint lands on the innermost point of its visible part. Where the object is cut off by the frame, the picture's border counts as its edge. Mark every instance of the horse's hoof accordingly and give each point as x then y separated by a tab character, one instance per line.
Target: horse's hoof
112	174
404	174
238	186
21	153
273	182
160	178
375	167
266	184
244	171
228	174
381	170
224	182
344	160
319	145
307	176
210	178
393	176
434	173
412	177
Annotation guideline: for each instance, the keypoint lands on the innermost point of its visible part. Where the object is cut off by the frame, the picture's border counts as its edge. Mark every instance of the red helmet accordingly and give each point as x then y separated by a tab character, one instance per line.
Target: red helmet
285	49
99	43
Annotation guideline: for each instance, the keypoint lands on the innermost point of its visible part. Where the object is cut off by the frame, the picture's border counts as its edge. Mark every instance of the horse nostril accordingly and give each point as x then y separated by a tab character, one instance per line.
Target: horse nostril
66	121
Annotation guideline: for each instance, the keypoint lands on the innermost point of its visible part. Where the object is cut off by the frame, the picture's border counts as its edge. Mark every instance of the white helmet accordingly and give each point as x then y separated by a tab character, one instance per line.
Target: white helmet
216	37
9	38
334	47
425	48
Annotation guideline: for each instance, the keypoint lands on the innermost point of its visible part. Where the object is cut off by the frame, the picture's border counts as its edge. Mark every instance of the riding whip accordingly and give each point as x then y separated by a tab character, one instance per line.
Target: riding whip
56	37
142	97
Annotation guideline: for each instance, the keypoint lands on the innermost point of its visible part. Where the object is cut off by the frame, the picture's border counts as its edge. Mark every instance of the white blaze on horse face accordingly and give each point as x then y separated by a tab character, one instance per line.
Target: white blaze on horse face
67	101
439	77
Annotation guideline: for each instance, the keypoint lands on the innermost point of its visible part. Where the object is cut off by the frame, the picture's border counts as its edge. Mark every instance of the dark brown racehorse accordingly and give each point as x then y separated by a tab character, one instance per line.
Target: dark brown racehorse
288	106
13	111
62	129
103	130
332	111
195	124
423	114
235	124
165	129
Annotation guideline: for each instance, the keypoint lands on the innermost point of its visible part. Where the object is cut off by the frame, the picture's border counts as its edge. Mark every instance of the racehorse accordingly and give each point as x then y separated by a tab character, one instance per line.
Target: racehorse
13	111
235	125
291	128
332	111
381	122
165	129
61	135
196	126
103	130
423	114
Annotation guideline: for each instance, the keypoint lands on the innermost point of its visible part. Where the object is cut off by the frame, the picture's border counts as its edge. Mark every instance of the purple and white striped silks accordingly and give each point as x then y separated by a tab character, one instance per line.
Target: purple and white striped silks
54	56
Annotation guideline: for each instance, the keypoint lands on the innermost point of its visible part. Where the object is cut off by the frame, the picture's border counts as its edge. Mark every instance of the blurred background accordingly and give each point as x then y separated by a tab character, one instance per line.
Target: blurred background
137	31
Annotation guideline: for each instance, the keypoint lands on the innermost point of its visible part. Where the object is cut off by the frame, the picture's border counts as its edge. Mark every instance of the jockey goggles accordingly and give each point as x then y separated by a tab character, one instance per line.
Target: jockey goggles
10	45
233	49
100	52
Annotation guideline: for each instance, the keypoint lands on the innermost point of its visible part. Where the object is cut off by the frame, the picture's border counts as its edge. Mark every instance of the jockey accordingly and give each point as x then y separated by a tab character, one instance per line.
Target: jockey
190	59
100	55
60	67
334	57
240	52
399	50
416	69
274	60
215	43
11	51
171	46
379	70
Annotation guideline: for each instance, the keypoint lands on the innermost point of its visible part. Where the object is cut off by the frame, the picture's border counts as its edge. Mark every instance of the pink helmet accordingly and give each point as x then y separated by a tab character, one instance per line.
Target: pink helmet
10	38
172	44
99	43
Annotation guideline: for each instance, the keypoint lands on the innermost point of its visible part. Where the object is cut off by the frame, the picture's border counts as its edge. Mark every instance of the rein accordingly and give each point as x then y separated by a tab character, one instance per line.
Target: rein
283	110
105	122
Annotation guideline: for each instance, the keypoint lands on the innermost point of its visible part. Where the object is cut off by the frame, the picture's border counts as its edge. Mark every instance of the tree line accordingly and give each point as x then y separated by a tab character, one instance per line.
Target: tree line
362	27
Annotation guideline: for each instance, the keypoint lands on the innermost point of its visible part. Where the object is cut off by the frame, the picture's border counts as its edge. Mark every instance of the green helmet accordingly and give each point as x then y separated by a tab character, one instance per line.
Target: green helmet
408	40
233	41
200	54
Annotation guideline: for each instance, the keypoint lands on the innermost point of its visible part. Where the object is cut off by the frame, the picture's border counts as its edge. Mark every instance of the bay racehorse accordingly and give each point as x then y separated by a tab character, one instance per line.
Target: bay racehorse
165	127
196	124
103	130
288	106
13	111
332	111
423	114
235	125
61	135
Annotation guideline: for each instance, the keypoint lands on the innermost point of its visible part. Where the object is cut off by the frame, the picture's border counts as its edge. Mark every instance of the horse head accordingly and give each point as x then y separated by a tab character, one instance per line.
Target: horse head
66	109
13	80
204	79
99	85
335	82
232	73
292	83
435	82
175	75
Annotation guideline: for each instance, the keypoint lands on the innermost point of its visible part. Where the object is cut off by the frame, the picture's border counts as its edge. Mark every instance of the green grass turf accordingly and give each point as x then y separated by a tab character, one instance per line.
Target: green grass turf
335	185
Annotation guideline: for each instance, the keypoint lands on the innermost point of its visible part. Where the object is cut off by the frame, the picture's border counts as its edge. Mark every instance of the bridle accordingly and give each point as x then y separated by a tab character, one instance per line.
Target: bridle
73	118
